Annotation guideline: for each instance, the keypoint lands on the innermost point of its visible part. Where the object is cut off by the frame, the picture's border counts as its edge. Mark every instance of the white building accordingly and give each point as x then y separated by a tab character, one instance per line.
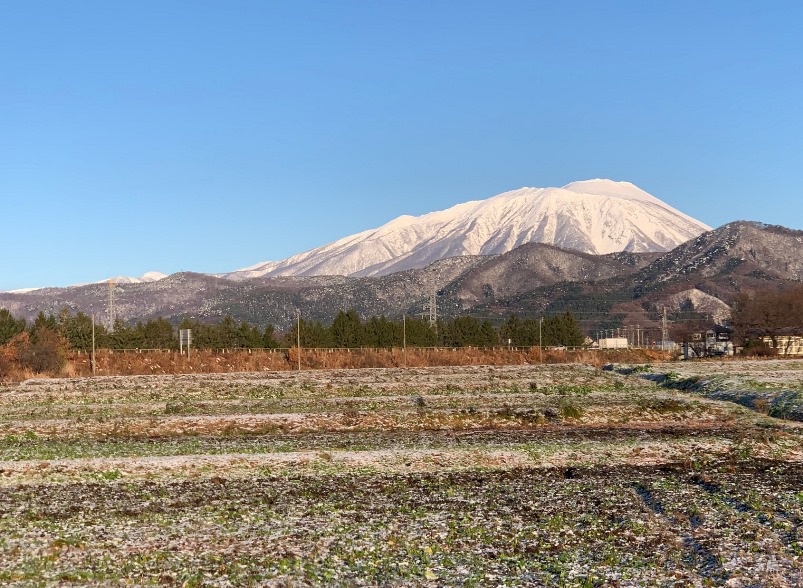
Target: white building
613	343
786	344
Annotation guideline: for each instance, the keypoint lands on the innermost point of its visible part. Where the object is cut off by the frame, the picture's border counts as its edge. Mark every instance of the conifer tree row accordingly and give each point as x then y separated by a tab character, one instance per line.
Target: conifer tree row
347	330
557	330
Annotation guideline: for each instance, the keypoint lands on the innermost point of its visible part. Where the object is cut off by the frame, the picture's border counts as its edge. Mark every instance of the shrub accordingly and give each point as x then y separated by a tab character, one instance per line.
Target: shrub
762	405
662	405
5	367
759	351
45	353
569	410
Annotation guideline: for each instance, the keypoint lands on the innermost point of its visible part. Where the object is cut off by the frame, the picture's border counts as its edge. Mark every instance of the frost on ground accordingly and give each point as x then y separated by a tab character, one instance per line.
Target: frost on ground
518	476
773	387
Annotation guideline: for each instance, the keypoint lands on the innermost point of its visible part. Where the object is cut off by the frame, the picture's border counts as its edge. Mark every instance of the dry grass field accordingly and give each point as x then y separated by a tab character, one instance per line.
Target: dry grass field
163	362
545	475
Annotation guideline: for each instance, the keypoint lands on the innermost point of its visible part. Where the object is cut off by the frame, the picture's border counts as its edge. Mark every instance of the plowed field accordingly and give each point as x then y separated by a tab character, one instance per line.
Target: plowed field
551	475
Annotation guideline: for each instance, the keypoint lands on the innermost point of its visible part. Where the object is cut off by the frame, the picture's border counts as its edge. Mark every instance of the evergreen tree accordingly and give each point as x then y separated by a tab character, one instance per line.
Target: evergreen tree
158	334
487	336
123	336
77	330
550	331
562	330
509	332
462	331
571	333
269	338
249	337
420	333
380	332
9	326
203	336
41	322
225	334
347	330
530	332
313	335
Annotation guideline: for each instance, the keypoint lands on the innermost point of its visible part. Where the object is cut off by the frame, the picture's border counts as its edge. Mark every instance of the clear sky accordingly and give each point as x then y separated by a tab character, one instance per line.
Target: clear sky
210	135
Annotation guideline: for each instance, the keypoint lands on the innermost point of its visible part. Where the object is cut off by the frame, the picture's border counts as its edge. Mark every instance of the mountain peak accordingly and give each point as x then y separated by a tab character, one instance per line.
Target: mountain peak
604	187
147	277
596	216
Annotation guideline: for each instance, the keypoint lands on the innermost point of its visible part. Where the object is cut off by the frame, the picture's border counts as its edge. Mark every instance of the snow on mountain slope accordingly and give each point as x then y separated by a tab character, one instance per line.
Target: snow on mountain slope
593	216
147	277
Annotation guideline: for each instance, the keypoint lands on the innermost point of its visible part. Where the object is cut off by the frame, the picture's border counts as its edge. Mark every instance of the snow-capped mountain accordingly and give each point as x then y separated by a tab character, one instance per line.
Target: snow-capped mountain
147	277
594	216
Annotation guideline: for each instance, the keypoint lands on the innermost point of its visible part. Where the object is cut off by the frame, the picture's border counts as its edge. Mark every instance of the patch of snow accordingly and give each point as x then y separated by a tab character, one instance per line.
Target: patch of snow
147	277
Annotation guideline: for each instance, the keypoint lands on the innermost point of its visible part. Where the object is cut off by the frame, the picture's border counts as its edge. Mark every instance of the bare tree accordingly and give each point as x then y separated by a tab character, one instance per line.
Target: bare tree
767	313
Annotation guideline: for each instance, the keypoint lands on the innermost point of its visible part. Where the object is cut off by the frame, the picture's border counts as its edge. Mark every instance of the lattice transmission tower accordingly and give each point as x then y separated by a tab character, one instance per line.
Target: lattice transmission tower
111	305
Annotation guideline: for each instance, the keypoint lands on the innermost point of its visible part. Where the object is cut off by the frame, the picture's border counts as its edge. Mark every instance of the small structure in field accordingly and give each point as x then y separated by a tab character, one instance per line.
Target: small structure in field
613	343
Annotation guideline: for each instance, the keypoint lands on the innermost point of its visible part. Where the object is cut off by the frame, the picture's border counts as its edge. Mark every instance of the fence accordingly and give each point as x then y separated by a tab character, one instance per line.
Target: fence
224	350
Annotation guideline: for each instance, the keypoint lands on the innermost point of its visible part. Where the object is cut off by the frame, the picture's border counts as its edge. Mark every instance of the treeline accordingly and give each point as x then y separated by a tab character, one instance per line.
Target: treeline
551	331
76	330
347	330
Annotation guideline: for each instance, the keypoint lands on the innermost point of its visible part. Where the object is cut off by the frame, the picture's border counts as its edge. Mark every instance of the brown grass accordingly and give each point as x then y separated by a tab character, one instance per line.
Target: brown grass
171	362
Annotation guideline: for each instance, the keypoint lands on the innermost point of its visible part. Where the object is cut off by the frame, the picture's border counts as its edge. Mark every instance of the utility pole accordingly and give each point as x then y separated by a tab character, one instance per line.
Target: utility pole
93	344
298	336
540	341
404	338
664	332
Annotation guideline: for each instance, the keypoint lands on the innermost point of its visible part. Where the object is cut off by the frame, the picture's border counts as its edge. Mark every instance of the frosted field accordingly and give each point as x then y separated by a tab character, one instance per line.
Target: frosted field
554	475
773	387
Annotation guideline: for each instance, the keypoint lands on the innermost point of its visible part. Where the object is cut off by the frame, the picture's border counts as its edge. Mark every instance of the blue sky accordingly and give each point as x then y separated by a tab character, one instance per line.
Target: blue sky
207	136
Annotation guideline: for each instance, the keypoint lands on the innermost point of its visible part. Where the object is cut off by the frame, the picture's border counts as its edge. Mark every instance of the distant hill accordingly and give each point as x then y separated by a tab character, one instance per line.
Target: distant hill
736	256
